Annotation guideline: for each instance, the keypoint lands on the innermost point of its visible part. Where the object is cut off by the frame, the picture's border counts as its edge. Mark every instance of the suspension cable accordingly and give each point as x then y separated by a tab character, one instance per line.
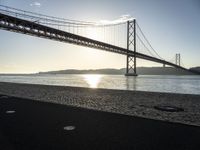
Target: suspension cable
62	21
144	44
148	41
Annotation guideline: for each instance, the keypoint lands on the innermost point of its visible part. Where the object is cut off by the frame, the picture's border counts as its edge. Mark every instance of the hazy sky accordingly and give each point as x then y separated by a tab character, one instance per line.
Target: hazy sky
172	26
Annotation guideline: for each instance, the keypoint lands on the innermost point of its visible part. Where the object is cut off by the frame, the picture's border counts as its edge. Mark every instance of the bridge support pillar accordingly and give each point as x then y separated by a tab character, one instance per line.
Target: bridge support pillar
131	45
178	59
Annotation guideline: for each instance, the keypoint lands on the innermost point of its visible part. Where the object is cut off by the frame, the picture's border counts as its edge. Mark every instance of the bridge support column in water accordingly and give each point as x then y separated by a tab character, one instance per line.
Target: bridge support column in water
131	45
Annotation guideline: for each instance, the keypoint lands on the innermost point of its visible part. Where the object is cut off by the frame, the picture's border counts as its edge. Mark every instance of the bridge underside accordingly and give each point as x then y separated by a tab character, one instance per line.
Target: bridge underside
18	25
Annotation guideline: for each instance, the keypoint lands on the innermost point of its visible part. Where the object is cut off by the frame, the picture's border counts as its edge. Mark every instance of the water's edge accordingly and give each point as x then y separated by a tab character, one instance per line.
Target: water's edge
154	83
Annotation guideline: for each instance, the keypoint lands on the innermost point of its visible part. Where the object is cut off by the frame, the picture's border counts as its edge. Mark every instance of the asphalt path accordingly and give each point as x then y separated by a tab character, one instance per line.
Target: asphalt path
32	125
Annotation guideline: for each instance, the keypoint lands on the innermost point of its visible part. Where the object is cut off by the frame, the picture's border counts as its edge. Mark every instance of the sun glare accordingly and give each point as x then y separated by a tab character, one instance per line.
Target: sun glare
92	80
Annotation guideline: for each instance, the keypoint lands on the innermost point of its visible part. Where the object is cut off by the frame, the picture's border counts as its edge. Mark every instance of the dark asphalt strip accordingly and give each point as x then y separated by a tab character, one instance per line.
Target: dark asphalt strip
32	125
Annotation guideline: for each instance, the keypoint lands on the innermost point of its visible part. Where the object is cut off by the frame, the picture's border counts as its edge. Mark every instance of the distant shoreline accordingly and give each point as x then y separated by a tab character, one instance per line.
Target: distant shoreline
23	74
111	71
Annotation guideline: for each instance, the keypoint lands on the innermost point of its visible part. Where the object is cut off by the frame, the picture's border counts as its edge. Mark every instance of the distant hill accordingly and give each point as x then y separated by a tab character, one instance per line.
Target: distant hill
140	70
195	69
90	71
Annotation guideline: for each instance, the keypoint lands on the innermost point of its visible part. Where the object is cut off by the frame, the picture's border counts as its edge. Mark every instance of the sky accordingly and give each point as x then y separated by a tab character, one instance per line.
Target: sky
171	26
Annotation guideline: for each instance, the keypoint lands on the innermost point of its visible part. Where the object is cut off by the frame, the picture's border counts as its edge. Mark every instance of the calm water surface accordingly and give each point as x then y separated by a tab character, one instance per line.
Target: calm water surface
156	83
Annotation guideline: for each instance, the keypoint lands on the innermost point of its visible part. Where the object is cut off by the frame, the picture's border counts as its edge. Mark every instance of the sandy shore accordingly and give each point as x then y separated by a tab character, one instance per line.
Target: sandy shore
133	103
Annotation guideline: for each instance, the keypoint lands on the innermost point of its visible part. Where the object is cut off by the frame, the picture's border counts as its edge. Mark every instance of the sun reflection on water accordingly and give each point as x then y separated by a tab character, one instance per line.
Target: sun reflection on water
92	80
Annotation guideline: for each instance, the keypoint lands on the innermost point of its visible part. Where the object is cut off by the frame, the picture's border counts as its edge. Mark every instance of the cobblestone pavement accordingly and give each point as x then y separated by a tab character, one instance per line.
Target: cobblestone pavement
134	103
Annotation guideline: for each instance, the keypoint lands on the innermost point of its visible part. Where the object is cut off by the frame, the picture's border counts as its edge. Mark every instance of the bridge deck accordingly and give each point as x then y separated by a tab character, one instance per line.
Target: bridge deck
14	24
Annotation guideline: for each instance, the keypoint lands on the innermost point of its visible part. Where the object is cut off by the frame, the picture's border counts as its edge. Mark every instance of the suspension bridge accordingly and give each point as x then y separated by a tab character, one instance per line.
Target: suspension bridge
124	37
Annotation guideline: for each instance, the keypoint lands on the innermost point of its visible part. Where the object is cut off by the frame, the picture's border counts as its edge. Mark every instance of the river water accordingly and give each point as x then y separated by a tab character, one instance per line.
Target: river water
156	83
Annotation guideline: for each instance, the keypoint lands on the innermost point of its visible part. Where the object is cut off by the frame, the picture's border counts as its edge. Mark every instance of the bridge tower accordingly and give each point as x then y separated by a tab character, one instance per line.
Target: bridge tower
131	45
178	59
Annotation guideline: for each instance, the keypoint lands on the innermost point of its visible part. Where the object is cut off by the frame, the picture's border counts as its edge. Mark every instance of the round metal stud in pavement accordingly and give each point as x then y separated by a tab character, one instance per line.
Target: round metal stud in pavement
10	111
169	108
4	97
69	128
